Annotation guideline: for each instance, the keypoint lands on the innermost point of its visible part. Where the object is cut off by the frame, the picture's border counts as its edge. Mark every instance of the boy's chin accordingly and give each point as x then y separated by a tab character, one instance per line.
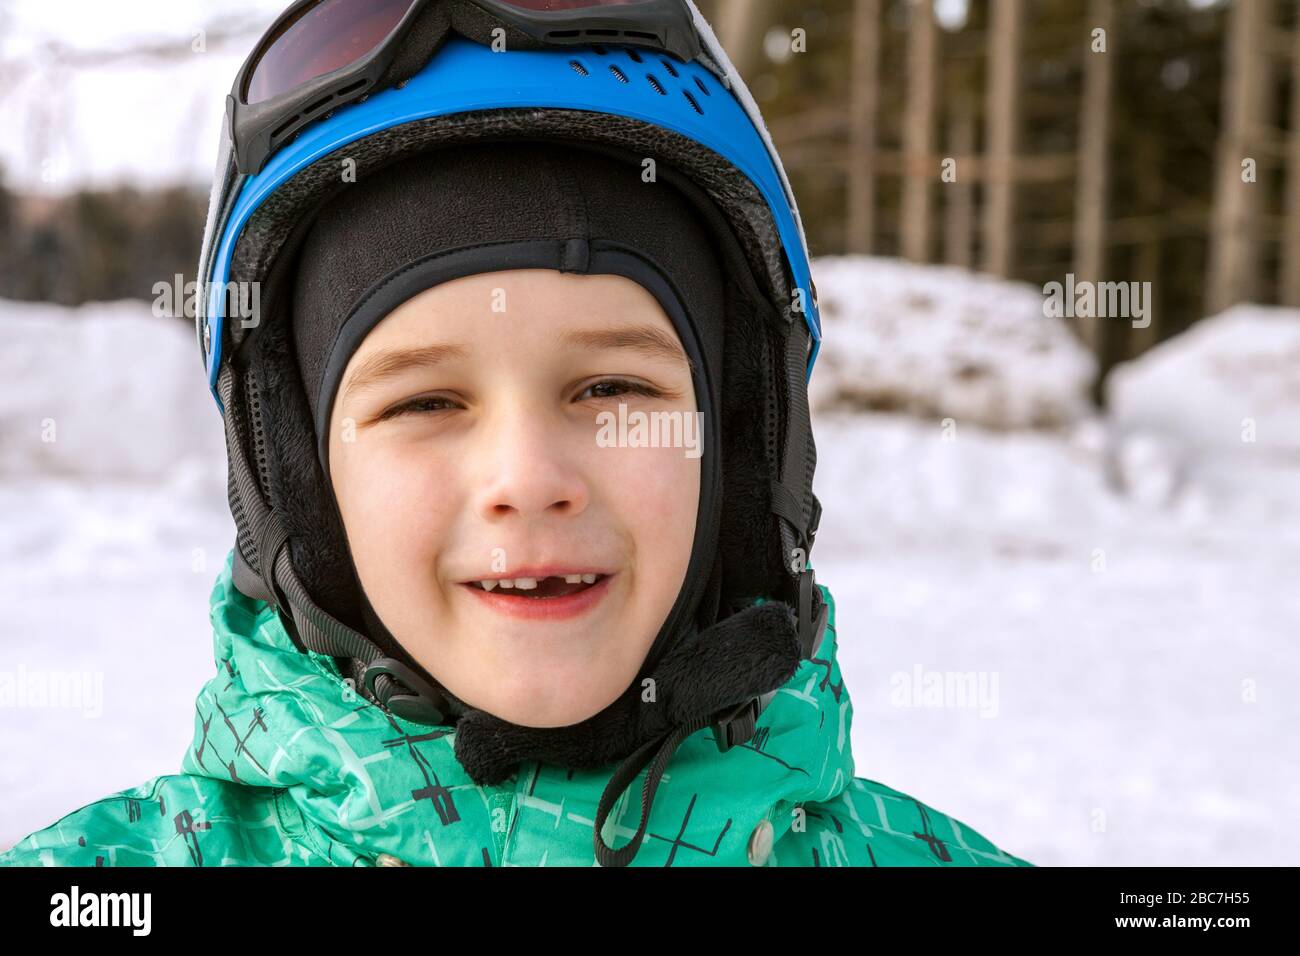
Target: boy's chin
524	716
562	702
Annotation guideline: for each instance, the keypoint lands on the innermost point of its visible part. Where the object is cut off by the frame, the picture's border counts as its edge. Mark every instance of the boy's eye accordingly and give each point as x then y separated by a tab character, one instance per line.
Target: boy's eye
427	403
609	388
612	388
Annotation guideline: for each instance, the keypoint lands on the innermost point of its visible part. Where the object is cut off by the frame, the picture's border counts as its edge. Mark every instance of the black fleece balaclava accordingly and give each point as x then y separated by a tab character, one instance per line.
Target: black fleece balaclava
487	207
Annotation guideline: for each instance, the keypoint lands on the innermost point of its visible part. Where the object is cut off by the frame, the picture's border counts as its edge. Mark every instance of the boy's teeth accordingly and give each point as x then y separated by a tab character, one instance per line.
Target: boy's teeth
530	584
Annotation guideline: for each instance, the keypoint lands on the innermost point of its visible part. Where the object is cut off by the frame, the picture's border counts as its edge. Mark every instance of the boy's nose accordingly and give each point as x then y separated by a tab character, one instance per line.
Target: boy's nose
530	471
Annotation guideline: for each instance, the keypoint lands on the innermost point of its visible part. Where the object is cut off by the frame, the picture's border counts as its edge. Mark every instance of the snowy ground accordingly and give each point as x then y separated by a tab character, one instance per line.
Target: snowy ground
1125	588
112	528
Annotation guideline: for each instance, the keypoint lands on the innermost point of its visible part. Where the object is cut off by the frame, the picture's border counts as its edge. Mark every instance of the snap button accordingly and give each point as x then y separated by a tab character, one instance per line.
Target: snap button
387	859
760	843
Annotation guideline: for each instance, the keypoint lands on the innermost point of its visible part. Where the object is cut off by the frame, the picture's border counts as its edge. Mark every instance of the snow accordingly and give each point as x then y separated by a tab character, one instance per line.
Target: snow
1122	589
1206	386
130	424
1124	642
113	532
942	342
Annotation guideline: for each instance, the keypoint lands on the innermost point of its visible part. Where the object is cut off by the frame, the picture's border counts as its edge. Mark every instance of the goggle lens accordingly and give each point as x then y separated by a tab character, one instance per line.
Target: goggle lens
322	38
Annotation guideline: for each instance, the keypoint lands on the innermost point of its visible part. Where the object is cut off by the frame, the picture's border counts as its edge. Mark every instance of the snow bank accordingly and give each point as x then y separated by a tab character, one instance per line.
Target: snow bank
1230	384
1210	419
941	342
107	391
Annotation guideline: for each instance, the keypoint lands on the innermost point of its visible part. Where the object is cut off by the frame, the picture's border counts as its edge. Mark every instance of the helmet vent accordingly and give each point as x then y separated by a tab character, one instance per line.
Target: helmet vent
658	85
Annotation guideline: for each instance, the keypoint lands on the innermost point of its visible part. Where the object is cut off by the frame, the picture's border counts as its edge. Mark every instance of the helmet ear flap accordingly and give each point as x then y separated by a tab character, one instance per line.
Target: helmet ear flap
750	540
294	485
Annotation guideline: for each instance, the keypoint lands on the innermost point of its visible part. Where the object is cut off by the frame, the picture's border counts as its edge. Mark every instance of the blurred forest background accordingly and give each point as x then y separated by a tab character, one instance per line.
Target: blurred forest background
1163	149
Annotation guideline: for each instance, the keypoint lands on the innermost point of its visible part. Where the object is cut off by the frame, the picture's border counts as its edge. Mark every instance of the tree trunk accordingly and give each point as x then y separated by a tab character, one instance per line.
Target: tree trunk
918	132
1234	258
864	102
1005	30
740	27
959	205
1094	142
1290	291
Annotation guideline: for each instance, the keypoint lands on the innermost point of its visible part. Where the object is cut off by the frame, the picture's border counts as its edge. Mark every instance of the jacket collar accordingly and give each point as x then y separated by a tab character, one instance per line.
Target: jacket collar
351	782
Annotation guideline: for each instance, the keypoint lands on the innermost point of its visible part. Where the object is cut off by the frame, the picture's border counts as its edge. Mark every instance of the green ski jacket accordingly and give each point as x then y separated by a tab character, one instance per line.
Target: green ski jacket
290	767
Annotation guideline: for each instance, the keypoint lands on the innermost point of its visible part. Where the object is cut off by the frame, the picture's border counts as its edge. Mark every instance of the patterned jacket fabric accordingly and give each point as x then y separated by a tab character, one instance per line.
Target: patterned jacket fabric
290	767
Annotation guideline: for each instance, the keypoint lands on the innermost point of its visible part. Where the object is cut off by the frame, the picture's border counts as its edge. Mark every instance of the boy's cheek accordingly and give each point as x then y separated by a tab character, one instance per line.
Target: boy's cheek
653	484
396	512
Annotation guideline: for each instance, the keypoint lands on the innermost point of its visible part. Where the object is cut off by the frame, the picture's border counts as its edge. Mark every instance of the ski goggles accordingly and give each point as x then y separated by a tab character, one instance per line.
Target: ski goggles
320	55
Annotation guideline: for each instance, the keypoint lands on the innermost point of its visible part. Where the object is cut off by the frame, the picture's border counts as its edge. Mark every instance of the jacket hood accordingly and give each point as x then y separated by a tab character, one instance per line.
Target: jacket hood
354	781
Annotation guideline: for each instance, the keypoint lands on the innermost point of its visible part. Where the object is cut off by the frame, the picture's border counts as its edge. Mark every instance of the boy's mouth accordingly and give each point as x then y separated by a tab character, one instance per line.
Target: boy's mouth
550	597
551	586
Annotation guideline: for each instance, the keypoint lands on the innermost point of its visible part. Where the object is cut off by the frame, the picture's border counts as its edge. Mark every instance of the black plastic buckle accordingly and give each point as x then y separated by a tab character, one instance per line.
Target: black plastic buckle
426	705
733	726
814	522
811	628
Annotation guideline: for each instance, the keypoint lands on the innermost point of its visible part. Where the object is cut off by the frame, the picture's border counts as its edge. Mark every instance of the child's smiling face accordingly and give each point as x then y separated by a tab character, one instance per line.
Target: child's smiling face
464	449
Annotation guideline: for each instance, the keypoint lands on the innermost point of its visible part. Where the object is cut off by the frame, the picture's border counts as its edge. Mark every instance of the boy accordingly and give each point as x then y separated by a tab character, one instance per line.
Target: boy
467	609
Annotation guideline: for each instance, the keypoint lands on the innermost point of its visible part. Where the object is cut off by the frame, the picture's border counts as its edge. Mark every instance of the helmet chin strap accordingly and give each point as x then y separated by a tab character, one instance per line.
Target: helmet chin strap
276	581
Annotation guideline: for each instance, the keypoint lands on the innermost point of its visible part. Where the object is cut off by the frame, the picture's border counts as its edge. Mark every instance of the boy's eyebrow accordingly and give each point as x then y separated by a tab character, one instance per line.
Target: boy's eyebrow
645	339
382	366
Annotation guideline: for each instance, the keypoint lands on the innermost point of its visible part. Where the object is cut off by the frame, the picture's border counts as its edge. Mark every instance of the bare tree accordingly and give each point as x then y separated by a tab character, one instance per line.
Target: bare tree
740	26
1004	103
918	131
864	103
1094	143
1234	259
1290	293
959	207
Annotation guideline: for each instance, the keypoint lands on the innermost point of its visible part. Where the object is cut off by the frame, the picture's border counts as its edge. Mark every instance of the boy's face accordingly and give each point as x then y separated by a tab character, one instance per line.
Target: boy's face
466	446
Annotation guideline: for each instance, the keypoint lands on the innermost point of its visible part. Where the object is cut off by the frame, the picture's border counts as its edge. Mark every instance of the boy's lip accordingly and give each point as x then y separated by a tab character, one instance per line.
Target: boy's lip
518	604
538	572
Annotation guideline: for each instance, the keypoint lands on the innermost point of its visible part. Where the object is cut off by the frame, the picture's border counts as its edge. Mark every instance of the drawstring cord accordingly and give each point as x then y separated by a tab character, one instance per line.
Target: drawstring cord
657	752
733	726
